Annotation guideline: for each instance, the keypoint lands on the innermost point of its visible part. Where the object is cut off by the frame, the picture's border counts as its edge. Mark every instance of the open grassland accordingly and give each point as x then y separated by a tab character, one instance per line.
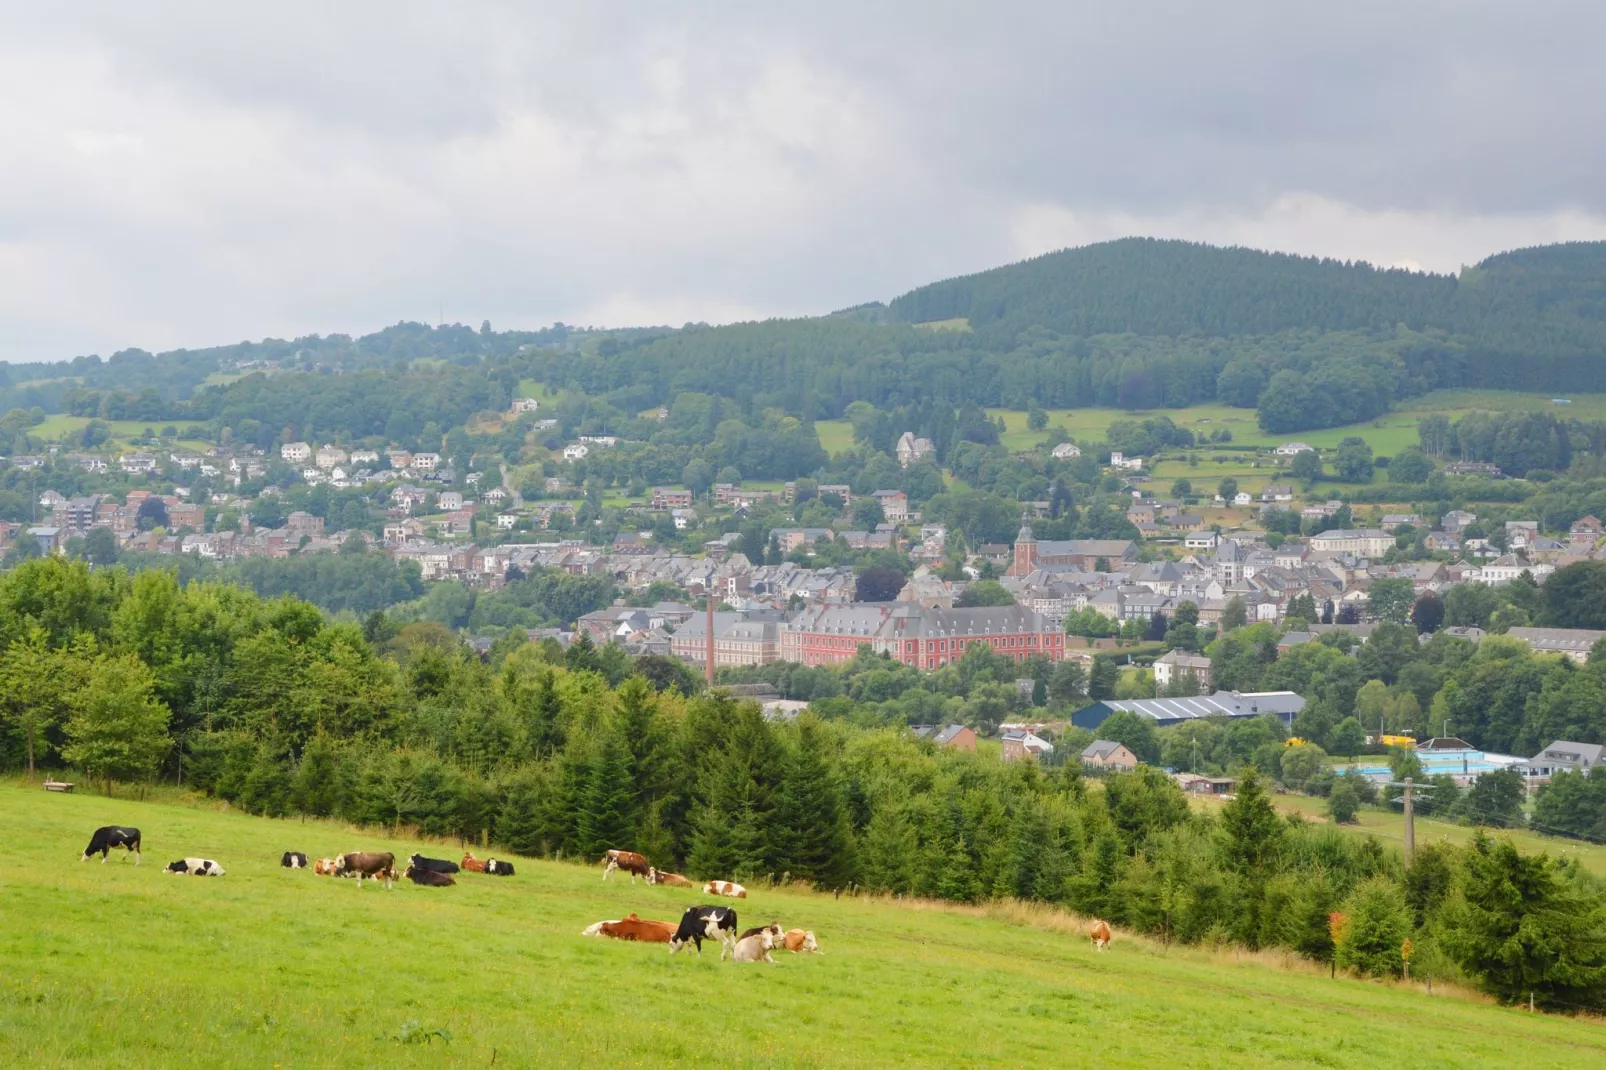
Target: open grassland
117	966
69	429
1389	826
836	436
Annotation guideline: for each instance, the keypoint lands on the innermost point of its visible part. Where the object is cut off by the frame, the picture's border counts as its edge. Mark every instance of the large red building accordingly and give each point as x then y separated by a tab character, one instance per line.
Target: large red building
916	635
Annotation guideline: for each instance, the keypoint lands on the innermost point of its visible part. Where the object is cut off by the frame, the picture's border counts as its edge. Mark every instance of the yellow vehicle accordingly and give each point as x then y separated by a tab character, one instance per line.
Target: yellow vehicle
1295	741
1408	742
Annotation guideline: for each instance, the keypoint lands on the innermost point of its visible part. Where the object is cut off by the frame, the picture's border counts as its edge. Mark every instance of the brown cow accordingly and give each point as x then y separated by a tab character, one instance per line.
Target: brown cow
634	928
629	861
472	864
800	940
1099	933
735	891
376	865
324	867
674	880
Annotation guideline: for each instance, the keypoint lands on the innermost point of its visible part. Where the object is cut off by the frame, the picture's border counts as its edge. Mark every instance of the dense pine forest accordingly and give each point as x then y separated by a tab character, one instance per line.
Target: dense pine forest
1136	324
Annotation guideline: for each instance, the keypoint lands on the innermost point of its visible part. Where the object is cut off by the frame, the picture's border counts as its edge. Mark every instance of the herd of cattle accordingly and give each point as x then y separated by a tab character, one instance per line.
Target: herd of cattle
697	924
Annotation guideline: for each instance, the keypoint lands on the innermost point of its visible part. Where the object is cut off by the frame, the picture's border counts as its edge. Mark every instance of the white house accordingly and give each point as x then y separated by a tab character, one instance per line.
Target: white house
524	405
296	452
426	462
575	451
1242	498
329	457
1066	451
1120	460
600	440
1290	449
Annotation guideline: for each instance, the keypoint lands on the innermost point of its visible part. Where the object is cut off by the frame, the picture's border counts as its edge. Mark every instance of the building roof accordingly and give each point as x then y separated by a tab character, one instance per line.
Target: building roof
1220	704
939	734
1101	748
1558	640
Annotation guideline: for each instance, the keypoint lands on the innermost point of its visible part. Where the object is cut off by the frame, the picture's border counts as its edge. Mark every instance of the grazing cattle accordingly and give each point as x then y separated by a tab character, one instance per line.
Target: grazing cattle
110	836
705	923
800	940
472	864
436	865
293	860
376	865
755	948
674	880
634	928
429	878
324	867
1099	933
725	888
498	868
629	861
199	867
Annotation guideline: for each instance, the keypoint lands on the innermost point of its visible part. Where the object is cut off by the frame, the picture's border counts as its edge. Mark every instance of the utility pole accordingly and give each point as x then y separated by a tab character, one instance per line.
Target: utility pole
1410	825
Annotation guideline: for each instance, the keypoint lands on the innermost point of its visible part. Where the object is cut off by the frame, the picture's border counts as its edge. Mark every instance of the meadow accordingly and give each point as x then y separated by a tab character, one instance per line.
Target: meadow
121	966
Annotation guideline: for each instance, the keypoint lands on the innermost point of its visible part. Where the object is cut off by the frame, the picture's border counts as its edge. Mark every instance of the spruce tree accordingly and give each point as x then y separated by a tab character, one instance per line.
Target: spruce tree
519	825
889	850
610	816
268	784
959	880
563	806
315	791
811	825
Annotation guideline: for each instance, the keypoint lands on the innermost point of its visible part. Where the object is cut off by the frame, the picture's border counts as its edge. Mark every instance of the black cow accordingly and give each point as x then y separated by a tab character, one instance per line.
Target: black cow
498	868
434	865
293	860
111	836
713	923
428	877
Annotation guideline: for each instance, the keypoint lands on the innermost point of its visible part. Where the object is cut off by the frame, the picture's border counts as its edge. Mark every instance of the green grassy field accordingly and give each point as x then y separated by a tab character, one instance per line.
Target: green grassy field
1389	826
122	966
67	429
836	436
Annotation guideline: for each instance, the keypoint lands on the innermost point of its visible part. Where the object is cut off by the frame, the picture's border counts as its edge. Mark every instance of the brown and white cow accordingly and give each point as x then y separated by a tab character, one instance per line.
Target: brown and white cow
472	864
633	928
726	888
800	940
375	865
324	867
674	880
629	861
757	947
1099	933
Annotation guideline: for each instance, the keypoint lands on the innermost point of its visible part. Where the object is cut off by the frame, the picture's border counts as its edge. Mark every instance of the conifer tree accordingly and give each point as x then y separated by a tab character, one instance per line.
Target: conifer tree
267	786
316	789
889	850
610	816
562	806
520	825
811	821
959	880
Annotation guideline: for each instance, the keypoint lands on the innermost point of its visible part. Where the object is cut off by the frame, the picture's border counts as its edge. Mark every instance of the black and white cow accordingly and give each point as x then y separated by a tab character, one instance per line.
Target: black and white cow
498	868
293	860
434	865
196	867
711	923
106	838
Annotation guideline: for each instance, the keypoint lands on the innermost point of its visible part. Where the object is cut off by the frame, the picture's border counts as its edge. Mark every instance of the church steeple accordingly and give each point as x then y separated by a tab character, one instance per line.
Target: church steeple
1025	548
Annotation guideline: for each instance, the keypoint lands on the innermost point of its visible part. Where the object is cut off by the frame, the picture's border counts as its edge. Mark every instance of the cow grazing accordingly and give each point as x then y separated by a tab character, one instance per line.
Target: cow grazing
429	878
1099	933
110	836
324	867
725	888
633	928
755	948
629	861
472	864
674	880
293	860
197	867
705	923
435	865
800	940
376	865
498	868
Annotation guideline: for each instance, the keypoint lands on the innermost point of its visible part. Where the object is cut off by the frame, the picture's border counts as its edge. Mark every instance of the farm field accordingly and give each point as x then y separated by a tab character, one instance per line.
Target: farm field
62	428
836	436
122	966
1390	828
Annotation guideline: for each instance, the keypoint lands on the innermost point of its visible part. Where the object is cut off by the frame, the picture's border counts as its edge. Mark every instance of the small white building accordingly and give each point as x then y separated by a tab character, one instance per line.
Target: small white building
296	452
1290	449
1066	451
521	405
575	451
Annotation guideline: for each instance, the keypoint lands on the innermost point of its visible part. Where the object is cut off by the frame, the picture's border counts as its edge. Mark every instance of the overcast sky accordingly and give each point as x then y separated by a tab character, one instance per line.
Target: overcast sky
186	174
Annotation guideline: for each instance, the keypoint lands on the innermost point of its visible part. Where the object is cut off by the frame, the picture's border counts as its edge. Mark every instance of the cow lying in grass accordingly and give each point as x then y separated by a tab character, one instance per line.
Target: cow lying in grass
429	878
800	940
293	860
198	867
324	867
757	947
436	865
725	888
674	880
633	928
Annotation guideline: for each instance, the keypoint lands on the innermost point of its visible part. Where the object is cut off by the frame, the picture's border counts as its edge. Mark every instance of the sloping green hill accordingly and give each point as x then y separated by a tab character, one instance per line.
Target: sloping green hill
121	966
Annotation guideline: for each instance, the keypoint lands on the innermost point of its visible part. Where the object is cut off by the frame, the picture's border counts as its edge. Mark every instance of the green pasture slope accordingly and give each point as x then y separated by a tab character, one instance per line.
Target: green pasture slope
117	966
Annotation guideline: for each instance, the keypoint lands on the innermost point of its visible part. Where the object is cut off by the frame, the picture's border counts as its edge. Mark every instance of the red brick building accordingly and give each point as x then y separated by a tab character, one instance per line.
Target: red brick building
921	637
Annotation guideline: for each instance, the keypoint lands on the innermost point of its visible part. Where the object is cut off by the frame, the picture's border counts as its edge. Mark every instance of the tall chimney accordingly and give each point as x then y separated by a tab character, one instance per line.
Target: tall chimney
710	667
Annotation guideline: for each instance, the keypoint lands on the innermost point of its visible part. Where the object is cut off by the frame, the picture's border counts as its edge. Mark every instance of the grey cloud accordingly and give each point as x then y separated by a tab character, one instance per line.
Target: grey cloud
185	175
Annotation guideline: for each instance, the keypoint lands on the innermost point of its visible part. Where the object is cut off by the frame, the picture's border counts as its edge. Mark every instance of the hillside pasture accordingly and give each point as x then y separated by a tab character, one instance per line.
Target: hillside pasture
121	966
68	429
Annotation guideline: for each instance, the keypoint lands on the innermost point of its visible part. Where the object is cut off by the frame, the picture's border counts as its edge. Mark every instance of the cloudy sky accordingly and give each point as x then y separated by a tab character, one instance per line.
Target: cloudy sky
184	174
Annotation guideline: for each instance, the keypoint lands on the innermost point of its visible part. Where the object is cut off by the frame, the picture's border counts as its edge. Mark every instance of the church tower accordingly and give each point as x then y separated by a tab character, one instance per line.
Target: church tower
1025	550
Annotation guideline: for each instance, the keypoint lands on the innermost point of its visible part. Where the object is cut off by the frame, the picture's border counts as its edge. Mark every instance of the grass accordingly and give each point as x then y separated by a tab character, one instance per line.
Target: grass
68	429
836	436
1389	826
121	966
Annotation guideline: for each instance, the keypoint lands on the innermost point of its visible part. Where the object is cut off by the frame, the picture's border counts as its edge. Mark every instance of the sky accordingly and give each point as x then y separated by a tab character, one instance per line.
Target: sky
175	174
